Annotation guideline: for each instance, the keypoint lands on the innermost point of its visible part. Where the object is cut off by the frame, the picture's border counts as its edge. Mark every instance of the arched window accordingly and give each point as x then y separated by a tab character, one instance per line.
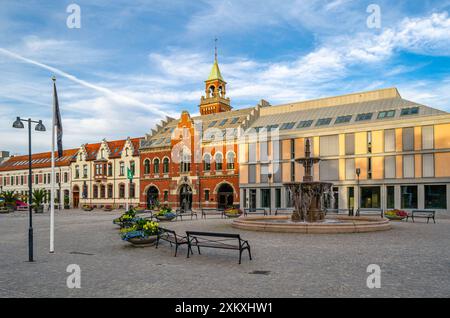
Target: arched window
218	160
230	160
121	191
132	190
95	192
110	191
166	165
211	90
121	169
146	166
207	162
185	164
156	166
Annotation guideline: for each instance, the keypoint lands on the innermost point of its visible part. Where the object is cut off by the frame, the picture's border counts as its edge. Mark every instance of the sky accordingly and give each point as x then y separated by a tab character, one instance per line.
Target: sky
131	63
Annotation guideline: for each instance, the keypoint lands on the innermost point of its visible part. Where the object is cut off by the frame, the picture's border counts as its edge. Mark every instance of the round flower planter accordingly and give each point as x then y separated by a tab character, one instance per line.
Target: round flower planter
232	215
143	241
163	218
394	217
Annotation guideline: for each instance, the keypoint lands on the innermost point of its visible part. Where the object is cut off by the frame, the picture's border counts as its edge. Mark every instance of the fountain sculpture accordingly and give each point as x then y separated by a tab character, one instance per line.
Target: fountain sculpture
309	196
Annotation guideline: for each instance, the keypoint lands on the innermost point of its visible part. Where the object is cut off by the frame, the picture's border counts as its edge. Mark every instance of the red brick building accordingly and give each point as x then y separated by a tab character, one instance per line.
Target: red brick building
193	160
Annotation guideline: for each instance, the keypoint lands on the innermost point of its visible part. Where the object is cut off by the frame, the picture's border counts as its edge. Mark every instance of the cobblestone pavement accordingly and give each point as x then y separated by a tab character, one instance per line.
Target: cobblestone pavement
414	260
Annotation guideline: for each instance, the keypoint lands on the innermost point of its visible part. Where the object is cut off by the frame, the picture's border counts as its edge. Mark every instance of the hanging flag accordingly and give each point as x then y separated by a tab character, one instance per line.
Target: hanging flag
58	123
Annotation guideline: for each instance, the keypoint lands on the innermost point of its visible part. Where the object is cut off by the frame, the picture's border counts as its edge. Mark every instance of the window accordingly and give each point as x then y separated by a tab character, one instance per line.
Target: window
95	192
132	167
277	198
390	197
252	173
263	151
329	170
102	191
350	169
156	166
428	165
365	116
206	195
323	122
252	152
271	127
369	168
234	121
435	197
427	137
166	165
389	167
292	171
166	196
77	172
36	179
85	171
132	190
408	139
212	124
386	114
66	177
218	161
110	191
45	179
343	119
329	145
122	191
409	197
369	142
230	160
349	144
292	143
185	165
409	111
264	178
110	170
265	198
389	140
370	198
223	122
287	126
146	166
121	169
305	124
408	166
207	162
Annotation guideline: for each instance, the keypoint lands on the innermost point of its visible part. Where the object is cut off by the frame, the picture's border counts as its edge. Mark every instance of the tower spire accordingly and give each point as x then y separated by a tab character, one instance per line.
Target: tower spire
215	49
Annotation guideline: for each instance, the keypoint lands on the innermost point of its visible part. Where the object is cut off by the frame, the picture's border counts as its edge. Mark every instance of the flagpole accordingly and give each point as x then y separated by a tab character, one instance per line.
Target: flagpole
52	195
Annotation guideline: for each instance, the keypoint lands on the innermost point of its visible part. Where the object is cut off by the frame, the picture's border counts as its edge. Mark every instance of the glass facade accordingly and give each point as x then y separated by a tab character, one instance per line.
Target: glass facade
435	197
409	197
370	198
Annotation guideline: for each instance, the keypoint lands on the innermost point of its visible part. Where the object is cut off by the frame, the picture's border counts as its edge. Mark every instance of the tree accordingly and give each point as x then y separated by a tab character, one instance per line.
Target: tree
39	196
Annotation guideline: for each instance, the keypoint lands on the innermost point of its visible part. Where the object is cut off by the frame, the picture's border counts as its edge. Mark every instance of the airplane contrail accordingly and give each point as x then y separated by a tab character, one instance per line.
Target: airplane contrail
84	83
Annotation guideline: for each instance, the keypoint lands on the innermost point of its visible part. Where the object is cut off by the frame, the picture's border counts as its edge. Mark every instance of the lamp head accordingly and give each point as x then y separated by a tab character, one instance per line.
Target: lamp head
358	171
18	123
40	126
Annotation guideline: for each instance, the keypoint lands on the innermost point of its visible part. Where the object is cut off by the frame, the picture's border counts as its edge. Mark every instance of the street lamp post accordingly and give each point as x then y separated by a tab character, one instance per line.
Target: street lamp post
269	177
39	127
358	172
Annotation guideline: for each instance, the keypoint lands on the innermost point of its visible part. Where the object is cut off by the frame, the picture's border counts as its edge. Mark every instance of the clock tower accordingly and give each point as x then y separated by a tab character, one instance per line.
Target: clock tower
215	100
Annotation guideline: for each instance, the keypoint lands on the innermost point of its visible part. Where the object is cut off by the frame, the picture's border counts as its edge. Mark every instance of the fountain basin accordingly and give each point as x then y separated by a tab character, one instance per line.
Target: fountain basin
338	224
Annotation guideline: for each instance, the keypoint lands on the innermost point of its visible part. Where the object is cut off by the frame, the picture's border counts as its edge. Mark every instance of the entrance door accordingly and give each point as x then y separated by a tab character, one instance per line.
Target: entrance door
152	197
76	197
252	200
225	196
186	197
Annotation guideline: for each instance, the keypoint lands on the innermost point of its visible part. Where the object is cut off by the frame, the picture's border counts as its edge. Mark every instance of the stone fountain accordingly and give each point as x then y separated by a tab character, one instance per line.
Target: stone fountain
309	196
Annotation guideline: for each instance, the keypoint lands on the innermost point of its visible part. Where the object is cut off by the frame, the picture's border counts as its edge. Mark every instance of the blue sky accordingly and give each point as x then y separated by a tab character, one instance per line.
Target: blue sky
133	62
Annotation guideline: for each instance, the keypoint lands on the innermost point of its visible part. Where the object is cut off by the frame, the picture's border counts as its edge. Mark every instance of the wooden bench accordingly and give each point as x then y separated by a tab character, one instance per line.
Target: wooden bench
172	237
180	213
428	214
217	240
379	212
212	211
255	211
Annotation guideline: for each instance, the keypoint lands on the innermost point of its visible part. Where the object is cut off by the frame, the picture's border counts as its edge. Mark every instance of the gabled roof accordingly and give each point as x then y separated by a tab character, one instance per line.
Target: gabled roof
38	160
